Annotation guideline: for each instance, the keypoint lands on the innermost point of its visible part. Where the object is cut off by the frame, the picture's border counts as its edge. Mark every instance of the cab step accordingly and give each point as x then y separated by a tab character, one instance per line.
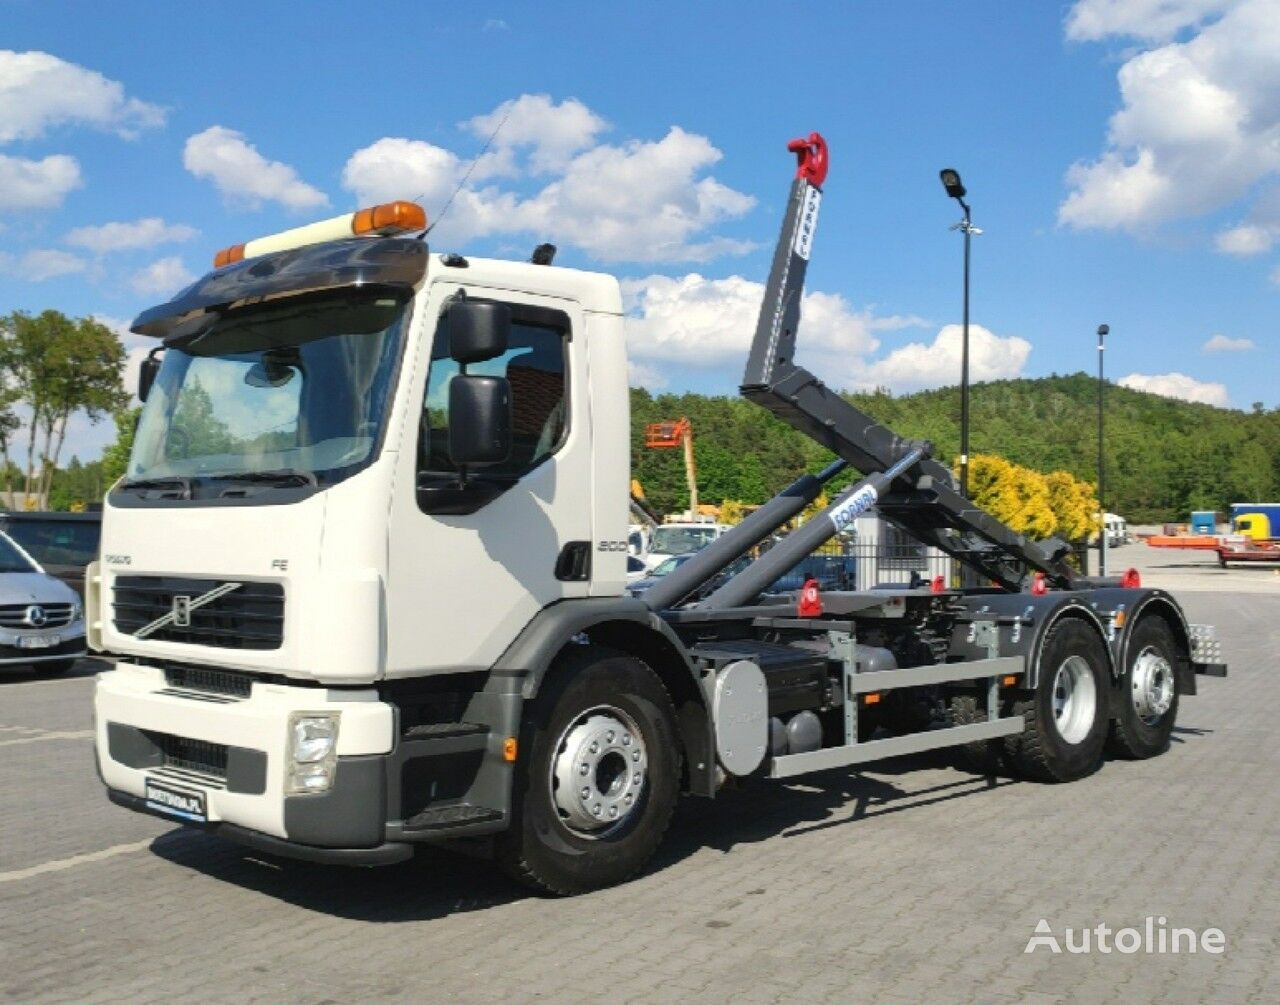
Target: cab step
443	818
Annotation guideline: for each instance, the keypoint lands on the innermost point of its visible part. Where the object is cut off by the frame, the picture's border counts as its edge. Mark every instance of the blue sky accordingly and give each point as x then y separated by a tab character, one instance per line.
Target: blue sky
1122	158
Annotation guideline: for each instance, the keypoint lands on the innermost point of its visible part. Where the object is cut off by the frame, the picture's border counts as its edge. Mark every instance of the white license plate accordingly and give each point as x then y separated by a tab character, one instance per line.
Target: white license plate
38	641
175	801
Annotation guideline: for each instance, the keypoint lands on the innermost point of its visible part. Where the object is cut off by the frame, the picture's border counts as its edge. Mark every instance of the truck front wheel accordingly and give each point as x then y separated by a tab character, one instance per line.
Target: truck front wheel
1147	698
1066	718
597	778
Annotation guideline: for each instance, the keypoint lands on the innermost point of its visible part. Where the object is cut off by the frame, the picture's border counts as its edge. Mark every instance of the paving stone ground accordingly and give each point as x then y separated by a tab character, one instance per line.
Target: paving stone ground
909	881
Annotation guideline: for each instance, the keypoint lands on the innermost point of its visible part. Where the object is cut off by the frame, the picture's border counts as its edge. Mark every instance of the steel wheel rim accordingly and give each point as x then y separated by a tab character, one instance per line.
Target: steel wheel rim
1075	699
598	772
1152	686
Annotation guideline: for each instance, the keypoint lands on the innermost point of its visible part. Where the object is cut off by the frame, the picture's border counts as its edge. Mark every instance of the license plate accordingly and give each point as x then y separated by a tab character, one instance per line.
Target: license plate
184	803
38	641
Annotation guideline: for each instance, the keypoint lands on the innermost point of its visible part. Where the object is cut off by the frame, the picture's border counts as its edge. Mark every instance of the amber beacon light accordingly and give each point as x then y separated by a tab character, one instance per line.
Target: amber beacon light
384	220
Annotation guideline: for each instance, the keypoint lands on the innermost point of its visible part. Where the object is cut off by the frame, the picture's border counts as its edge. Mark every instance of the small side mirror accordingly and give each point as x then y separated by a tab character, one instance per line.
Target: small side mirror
147	374
479	420
478	330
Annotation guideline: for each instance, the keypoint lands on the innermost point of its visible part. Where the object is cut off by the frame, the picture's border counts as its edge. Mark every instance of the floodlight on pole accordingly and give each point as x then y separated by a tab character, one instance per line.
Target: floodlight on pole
955	189
1103	332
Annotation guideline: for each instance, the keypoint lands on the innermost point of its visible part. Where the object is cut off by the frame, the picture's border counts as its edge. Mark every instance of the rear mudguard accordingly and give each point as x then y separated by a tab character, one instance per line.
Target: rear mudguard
1024	620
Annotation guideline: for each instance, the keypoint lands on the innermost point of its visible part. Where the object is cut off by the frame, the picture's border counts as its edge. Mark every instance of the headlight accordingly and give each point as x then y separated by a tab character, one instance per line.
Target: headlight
313	746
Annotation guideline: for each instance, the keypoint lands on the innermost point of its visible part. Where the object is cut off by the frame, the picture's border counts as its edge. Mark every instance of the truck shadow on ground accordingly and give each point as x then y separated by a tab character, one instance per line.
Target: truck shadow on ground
439	882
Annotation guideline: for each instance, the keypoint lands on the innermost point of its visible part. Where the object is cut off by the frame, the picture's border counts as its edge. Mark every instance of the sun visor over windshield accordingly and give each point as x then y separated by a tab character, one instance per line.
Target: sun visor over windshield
389	262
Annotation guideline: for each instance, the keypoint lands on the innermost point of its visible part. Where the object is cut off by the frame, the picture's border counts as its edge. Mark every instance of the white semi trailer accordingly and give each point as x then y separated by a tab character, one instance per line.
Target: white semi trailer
365	577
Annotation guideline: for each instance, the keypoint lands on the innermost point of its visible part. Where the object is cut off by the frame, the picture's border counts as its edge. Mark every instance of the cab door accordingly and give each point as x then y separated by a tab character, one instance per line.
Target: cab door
461	585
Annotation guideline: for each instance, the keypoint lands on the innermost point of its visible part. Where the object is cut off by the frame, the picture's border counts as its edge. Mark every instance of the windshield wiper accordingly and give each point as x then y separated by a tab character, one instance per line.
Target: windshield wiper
167	482
281	476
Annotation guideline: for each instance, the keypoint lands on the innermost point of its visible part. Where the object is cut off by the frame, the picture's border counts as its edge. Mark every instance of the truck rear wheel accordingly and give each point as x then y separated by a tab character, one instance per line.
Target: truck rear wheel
598	776
1147	695
1066	718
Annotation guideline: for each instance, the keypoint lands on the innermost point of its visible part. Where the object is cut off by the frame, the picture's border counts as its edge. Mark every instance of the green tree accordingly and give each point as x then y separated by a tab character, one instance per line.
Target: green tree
58	366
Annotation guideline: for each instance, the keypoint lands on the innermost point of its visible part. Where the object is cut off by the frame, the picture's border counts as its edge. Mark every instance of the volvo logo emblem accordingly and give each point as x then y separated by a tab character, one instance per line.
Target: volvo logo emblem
180	609
36	616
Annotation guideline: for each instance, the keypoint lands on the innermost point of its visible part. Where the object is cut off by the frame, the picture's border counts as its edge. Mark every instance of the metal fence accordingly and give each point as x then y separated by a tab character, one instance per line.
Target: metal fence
883	564
898	561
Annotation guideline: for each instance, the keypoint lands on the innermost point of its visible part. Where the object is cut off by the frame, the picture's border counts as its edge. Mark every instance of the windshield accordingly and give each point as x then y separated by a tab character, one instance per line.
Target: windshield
57	542
667	565
11	559
680	540
292	394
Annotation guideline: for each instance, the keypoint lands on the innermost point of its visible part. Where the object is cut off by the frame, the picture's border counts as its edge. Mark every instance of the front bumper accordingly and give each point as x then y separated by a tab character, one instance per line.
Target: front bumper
384	854
71	645
234	752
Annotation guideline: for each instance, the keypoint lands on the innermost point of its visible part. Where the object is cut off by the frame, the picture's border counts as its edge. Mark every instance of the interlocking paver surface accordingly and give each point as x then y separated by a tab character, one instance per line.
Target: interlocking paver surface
909	881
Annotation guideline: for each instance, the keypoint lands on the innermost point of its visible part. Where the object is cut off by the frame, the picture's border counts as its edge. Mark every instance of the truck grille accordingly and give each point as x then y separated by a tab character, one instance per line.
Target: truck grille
224	682
247	616
185	754
35	615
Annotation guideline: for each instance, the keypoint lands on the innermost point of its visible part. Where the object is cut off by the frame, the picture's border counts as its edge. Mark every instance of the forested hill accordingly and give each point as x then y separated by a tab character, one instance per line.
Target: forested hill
1164	457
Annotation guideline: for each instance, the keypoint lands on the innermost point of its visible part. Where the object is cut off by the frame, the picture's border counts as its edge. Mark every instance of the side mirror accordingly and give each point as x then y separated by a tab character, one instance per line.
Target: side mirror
147	374
478	330
479	420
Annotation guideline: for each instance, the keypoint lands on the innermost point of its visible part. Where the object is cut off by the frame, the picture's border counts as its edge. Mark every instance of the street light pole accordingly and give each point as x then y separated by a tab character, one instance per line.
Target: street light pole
964	360
1103	332
955	188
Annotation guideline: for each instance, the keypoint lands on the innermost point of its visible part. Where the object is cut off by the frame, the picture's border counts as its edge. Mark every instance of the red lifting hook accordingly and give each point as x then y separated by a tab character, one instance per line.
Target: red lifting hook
811	155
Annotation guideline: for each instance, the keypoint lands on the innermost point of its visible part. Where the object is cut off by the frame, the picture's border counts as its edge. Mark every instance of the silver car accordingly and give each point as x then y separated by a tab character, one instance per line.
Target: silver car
41	621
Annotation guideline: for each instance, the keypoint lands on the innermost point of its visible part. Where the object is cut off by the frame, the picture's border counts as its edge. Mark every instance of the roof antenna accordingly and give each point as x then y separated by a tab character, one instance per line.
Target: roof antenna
470	167
543	254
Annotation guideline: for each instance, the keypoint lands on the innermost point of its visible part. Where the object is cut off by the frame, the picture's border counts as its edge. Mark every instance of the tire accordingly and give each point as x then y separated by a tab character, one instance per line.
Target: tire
982	757
1147	694
1066	719
597	710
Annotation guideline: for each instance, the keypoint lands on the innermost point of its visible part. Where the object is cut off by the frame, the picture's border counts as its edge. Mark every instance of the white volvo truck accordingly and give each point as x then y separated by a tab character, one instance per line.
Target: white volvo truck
365	577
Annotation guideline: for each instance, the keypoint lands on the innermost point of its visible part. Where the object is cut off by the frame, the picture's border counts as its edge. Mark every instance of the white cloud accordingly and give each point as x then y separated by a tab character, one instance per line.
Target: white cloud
37	184
552	133
676	323
1246	239
643	375
937	364
495	24
398	168
1177	385
165	276
1221	343
37	266
1152	20
145	233
640	201
243	175
42	264
39	91
1199	124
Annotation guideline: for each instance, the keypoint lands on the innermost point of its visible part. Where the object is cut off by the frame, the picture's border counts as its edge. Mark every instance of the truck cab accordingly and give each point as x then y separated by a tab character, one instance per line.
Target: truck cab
680	537
333	500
